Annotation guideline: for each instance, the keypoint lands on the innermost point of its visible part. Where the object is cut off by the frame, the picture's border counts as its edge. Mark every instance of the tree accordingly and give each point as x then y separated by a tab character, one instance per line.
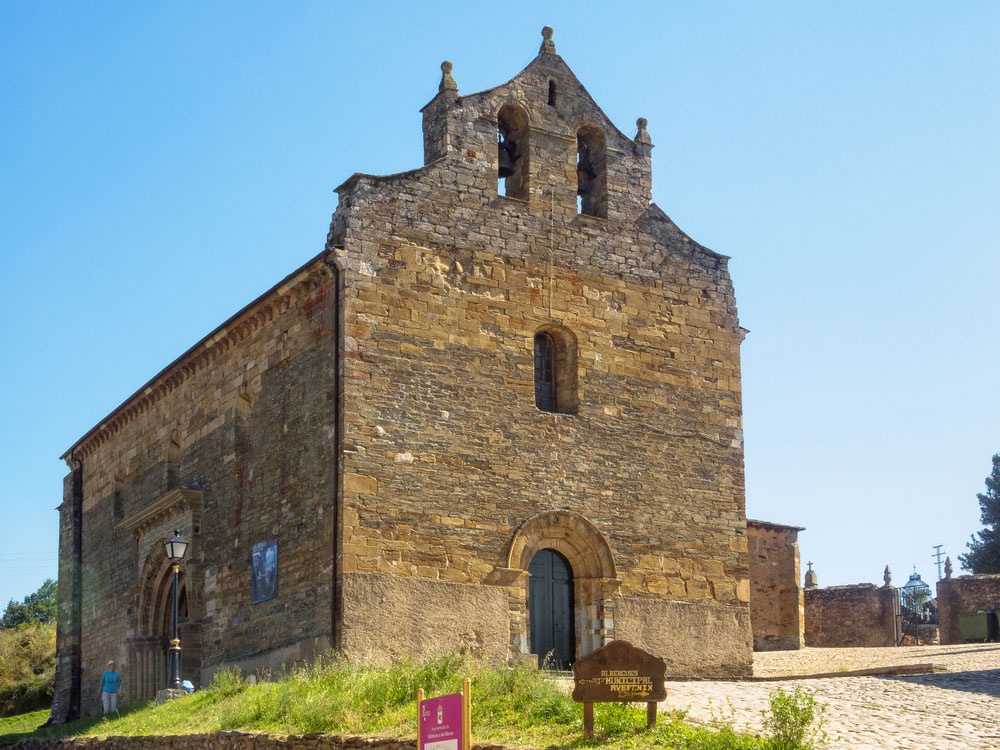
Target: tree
37	608
984	552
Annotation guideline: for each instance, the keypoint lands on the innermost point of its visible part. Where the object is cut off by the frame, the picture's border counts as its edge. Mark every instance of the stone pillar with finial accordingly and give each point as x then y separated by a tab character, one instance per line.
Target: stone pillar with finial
811	580
643	146
447	80
438	140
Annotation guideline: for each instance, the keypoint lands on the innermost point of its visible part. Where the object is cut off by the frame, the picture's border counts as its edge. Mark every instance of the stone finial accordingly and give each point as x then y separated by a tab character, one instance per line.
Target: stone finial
887	576
811	581
447	82
643	143
947	567
641	135
548	46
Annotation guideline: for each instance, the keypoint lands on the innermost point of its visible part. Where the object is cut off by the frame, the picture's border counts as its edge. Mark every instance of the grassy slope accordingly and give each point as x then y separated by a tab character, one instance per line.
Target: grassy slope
519	707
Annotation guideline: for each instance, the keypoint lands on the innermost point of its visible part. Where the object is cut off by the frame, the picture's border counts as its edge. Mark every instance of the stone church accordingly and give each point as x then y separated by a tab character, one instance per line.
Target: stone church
500	412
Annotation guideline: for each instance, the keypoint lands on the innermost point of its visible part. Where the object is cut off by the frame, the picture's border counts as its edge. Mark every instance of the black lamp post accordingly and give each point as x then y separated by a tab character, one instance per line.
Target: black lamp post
176	547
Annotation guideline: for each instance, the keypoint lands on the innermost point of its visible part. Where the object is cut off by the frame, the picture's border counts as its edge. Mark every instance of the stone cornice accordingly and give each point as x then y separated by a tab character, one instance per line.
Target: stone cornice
177	499
262	310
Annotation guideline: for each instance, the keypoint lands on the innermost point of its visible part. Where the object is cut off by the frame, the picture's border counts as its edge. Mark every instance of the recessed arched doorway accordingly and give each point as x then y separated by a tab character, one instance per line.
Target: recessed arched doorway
148	665
552	635
590	574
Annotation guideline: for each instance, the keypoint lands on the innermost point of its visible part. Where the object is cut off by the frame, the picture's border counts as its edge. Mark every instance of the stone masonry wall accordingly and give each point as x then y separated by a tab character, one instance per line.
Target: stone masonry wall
777	608
446	455
971	593
67	688
852	616
219	422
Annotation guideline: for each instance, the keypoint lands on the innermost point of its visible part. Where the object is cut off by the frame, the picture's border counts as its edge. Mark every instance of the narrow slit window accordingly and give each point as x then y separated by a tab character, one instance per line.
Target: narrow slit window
545	372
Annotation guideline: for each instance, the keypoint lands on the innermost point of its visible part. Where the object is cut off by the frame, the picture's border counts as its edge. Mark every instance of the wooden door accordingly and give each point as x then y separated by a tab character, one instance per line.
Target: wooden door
550	610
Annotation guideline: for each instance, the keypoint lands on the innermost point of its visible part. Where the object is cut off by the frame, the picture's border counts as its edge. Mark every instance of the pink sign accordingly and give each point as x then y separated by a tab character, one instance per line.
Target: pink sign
441	723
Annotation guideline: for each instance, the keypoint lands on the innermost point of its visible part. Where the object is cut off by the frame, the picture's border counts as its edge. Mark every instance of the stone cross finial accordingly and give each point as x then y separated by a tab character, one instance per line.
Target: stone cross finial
548	46
947	567
447	82
811	581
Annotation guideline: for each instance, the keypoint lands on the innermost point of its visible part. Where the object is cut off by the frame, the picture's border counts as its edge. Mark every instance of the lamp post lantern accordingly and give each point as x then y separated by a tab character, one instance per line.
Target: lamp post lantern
176	547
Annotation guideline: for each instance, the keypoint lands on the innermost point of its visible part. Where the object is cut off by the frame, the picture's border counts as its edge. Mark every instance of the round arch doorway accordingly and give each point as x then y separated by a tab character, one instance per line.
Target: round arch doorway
551	635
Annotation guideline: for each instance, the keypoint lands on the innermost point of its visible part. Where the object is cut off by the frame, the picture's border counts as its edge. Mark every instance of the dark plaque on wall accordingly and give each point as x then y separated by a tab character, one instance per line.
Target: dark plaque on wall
264	572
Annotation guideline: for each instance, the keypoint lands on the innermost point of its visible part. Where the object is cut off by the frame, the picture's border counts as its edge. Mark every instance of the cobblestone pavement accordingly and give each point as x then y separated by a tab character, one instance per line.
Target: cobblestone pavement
959	708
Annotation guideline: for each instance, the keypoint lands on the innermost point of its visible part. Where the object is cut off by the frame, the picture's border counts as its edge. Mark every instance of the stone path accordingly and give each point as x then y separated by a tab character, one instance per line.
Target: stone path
958	708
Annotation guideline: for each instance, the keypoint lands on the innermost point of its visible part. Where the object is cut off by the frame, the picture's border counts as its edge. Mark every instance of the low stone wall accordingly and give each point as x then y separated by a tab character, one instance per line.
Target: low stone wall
671	630
852	616
227	741
964	594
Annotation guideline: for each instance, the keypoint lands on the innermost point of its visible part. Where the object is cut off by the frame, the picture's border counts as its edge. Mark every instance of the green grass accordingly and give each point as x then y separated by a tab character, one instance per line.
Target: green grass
515	707
22	723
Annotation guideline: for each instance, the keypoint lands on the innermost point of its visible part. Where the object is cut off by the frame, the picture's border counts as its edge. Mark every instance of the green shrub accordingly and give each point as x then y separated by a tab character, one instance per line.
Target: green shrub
227	682
27	668
794	721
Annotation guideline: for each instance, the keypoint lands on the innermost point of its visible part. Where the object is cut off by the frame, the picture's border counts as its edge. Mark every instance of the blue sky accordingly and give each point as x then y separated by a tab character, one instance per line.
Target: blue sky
162	164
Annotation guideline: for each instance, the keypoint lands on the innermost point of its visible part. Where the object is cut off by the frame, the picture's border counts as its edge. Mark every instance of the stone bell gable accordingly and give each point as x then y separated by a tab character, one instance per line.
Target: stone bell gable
554	141
531	344
500	413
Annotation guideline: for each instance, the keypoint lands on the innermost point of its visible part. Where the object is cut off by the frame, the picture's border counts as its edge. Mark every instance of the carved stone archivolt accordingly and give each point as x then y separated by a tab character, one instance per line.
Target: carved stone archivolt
180	510
595	576
571	535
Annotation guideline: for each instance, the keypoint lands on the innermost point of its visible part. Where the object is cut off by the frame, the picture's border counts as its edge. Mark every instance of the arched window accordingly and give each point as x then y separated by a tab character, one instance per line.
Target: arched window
512	152
555	370
545	372
591	172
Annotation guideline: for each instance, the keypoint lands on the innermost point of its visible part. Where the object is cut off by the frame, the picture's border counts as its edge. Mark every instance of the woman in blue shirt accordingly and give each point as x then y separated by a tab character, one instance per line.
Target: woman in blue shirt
110	682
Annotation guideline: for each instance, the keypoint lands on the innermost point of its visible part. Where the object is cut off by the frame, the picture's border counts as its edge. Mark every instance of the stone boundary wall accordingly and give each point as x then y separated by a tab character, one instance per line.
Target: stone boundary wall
860	616
227	741
971	593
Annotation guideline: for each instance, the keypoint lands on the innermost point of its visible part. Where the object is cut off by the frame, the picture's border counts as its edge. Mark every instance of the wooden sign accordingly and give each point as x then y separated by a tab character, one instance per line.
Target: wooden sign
618	672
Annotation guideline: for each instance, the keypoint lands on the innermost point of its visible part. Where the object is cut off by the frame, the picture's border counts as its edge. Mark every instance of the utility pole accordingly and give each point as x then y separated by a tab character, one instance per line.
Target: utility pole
938	555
